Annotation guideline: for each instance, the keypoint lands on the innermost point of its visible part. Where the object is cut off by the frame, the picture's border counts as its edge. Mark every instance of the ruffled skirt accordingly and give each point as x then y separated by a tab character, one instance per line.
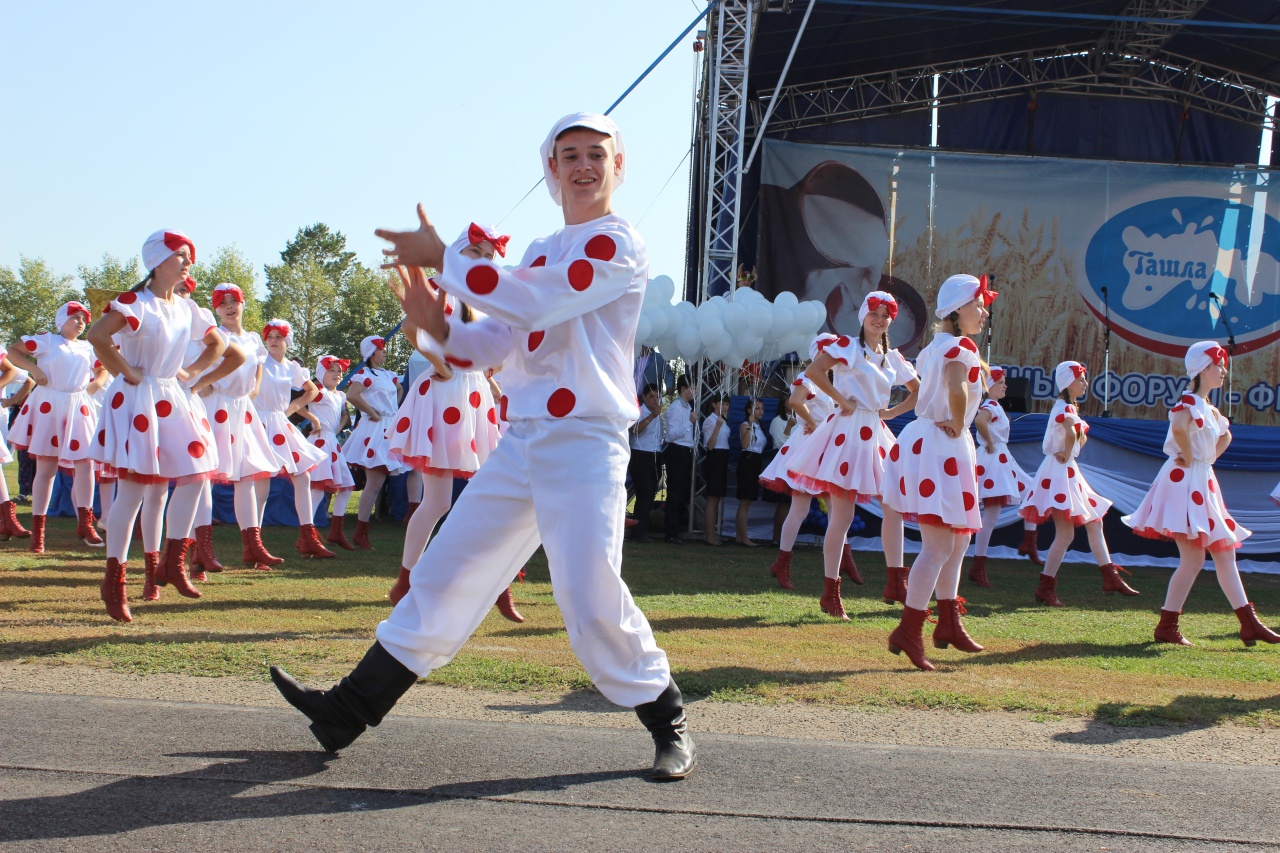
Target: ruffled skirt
930	478
775	477
294	454
445	428
55	426
244	451
1060	487
1001	480
845	456
331	475
129	443
1187	503
369	447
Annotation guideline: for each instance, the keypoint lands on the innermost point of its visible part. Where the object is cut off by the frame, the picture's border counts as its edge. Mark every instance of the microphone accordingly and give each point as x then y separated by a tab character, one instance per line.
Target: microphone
1215	297
1104	290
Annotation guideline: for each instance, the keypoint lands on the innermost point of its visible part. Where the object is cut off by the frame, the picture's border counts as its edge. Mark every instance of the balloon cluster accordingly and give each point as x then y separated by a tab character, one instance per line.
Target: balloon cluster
744	328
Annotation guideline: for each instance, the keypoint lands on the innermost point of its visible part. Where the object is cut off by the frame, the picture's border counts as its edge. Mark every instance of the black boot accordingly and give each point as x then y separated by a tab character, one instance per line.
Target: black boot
664	718
339	715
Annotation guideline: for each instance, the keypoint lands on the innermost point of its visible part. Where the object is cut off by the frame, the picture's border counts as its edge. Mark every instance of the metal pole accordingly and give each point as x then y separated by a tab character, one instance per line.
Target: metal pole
777	90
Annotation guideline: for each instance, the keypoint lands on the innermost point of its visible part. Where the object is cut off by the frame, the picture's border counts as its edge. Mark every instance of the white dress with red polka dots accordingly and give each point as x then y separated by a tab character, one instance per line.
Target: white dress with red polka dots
244	448
331	475
198	409
446	428
95	410
6	456
130	443
775	476
930	476
1186	502
1060	487
56	422
294	454
845	456
1001	480
368	445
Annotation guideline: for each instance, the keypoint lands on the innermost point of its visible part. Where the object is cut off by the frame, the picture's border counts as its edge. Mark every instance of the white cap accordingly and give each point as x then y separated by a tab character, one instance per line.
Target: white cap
1201	355
591	121
1067	372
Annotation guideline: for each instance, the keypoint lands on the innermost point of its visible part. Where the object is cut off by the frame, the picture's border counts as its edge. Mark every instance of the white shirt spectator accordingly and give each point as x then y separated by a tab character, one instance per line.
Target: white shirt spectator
679	427
708	427
778	429
647	438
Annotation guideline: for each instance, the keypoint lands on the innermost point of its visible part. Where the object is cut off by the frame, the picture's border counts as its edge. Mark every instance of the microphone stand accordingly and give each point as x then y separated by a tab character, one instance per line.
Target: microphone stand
1106	357
991	316
1231	348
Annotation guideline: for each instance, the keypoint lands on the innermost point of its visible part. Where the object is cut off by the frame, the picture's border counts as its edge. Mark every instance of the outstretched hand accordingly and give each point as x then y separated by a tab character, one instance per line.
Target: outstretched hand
421	248
424	306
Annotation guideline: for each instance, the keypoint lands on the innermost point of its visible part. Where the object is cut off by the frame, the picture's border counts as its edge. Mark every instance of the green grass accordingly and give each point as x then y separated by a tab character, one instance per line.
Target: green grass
731	633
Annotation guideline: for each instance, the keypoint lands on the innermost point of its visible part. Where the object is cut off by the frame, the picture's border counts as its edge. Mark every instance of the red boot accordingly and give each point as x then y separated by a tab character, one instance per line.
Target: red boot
336	534
507	606
362	536
1112	582
950	630
895	586
1028	547
400	588
84	528
848	566
908	637
1047	591
37	534
781	569
151	563
255	553
204	556
13	527
113	592
408	516
173	567
1167	631
1251	630
830	601
978	573
309	544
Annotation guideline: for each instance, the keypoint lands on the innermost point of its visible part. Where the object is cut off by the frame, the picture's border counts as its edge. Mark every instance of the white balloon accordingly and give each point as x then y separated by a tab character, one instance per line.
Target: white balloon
735	318
816	314
759	317
749	347
644	330
786	298
657	323
747	295
665	288
719	350
688	344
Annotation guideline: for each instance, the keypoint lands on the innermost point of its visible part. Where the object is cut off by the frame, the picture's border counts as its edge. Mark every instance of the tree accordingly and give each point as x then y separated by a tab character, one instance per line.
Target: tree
29	298
317	243
304	295
229	264
112	274
366	306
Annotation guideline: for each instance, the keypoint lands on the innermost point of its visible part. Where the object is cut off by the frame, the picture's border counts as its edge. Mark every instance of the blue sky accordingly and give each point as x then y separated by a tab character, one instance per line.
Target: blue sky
239	122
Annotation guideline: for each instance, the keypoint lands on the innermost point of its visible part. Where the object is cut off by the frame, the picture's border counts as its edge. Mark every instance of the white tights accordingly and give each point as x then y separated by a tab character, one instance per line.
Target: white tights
42	488
891	536
437	495
4	488
130	497
373	480
795	517
1190	564
990	518
1065	531
839	517
180	517
340	501
204	504
246	502
106	497
938	565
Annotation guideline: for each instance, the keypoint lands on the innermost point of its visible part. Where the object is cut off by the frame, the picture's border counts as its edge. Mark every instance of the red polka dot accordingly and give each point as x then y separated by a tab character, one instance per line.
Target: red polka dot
844	469
926	488
296	457
368	383
482	280
973	374
1092	502
1199	422
102	437
366	442
196	449
951	467
502	407
540	261
84	410
127	298
493	416
1003	458
233	439
1060	498
26	409
319	442
1046	483
458	362
894	453
277	439
31	346
401	426
1213	486
452	415
881	452
221	416
840	440
164	408
1197	498
133	322
1022	487
74	445
915	448
474	399
843	341
248	417
431	433
902	485
967	343
1188	400
1211	525
1176	475
333	457
473	445
580	274
535	340
1060	418
1071	472
560	403
969	501
320	396
988	484
118	400
865	433
1231	525
422	389
45	408
952	353
54	441
369	454
140	423
980	470
601	247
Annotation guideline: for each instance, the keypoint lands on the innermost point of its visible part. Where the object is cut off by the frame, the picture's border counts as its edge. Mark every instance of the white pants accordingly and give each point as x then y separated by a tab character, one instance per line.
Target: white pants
560	483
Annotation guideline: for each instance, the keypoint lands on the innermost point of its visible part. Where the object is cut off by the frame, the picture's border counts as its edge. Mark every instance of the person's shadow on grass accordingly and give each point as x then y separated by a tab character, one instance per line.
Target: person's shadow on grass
1114	722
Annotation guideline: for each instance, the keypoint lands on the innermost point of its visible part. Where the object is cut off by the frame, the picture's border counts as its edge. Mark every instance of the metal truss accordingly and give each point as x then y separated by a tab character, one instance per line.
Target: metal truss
1141	38
722	125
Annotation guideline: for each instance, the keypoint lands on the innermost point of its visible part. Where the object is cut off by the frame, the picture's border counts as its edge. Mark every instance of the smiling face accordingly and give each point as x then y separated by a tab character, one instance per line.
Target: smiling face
483	249
585	164
998	389
876	324
332	377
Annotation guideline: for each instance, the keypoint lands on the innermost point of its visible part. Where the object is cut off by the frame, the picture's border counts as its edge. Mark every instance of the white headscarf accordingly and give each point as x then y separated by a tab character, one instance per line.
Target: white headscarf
161	246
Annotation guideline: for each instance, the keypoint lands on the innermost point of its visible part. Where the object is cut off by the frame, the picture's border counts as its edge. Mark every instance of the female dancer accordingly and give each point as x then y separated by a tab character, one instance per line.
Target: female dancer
1000	479
295	456
374	392
813	407
145	398
9	526
55	424
446	429
715	443
245	458
1060	491
1185	501
332	476
751	438
930	475
845	457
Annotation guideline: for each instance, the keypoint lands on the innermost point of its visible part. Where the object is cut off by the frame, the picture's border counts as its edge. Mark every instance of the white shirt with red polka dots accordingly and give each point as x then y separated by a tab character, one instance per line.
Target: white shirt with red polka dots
563	323
294	454
56	422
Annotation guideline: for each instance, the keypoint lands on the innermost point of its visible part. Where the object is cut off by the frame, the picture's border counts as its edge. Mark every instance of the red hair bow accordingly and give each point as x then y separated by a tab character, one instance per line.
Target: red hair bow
342	363
282	328
1078	370
79	308
997	373
1218	355
874	302
190	284
476	234
222	291
379	343
988	295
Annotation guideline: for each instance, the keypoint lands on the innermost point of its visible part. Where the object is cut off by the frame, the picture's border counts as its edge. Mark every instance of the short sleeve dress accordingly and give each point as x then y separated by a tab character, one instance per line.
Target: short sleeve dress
56	422
244	449
332	475
1060	487
1001	481
369	445
294	454
775	476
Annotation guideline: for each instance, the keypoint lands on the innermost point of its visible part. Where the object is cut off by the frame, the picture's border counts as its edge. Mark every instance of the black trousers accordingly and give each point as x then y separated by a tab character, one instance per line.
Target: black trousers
643	469
679	462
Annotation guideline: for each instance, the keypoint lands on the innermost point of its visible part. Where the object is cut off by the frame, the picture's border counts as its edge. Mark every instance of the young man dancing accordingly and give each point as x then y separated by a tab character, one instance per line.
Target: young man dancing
563	325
